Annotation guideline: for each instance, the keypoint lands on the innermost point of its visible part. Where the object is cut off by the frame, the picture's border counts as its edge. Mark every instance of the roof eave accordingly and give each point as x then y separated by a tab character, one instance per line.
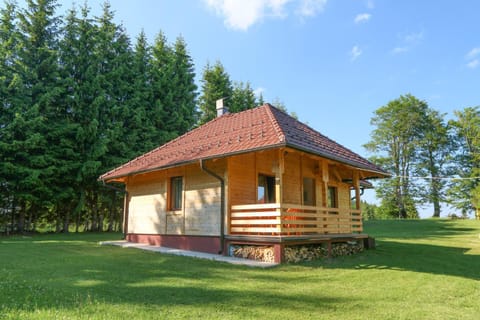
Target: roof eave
182	163
379	173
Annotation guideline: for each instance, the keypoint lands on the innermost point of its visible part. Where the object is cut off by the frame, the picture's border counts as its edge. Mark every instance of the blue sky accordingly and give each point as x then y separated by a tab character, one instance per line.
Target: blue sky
333	62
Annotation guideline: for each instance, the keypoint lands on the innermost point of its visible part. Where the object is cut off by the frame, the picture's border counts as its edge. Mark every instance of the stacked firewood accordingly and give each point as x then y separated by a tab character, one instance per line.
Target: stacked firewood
259	253
346	248
305	253
313	252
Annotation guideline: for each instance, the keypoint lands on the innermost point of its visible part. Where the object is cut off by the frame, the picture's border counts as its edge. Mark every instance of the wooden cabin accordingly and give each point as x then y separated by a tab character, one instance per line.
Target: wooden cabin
257	177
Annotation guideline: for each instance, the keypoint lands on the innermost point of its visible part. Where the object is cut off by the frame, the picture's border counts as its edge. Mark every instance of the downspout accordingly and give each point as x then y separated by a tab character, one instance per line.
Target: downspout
125	206
222	204
362	191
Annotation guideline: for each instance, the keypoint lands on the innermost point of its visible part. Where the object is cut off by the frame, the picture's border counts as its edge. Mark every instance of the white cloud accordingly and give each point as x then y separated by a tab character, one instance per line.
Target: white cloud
310	8
355	53
473	64
414	37
408	42
242	14
399	50
259	91
473	53
362	17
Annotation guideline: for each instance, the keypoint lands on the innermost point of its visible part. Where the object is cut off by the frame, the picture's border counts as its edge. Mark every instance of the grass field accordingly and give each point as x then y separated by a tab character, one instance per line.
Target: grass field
423	269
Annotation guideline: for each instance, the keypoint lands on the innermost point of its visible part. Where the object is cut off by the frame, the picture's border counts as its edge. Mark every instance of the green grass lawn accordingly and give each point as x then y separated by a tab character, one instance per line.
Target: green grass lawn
422	269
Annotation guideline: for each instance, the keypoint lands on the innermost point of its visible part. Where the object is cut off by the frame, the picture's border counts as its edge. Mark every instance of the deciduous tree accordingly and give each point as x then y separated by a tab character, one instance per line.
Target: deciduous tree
399	128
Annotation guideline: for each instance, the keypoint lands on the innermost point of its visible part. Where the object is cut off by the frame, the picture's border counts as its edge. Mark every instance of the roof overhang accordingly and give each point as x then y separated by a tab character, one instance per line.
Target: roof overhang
373	174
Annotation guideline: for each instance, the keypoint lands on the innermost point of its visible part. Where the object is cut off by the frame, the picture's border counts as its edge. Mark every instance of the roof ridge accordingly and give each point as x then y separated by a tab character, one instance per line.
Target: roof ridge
276	125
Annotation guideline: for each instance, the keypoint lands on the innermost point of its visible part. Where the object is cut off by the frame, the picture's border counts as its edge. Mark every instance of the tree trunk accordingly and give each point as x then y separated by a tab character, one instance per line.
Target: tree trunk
77	212
436	198
58	224
77	222
66	220
12	221
87	226
94	208
28	222
112	213
21	219
34	222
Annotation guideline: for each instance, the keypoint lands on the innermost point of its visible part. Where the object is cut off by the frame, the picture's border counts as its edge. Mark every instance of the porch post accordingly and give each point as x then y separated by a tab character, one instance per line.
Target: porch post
279	177
356	185
279	188
325	179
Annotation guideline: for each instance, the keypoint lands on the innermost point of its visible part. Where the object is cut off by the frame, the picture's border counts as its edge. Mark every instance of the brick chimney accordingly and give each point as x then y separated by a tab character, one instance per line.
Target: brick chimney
221	109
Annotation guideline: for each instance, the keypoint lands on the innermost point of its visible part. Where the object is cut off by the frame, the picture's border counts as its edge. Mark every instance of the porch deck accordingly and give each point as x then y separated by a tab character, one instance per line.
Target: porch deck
283	225
290	221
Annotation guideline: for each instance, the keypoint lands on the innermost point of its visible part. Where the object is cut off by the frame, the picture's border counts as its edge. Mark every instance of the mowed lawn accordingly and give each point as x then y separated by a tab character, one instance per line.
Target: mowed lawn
423	269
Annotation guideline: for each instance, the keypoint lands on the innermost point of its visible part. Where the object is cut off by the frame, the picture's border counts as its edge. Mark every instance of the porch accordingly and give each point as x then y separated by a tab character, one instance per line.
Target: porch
289	220
285	225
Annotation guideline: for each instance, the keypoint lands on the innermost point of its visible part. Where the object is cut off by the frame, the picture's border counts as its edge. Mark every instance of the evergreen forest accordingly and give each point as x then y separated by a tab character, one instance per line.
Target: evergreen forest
78	97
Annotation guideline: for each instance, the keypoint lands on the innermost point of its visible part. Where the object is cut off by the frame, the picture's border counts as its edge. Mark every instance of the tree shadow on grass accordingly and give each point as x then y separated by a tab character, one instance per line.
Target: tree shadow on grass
426	258
390	255
118	276
418	229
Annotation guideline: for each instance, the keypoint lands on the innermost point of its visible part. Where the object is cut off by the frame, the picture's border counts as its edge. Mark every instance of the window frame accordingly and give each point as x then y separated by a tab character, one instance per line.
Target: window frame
332	199
175	202
269	193
313	183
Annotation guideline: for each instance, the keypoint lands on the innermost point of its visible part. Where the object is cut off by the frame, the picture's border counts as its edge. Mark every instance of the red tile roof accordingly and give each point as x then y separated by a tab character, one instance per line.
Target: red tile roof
260	128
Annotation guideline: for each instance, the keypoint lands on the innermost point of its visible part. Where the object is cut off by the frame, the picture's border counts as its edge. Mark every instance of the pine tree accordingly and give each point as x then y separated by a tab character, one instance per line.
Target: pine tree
216	84
80	75
113	57
243	97
183	109
10	93
34	130
260	100
142	97
160	113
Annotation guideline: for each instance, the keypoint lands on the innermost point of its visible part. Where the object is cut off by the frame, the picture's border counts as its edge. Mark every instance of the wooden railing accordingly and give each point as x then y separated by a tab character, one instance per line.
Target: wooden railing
290	220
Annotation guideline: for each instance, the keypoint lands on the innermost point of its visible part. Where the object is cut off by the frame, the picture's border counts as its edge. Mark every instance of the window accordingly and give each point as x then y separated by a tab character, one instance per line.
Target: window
309	191
266	189
332	200
176	188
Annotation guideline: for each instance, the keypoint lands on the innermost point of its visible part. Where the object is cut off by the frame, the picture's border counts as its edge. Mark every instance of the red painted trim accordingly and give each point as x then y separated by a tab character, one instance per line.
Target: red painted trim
126	213
278	253
207	244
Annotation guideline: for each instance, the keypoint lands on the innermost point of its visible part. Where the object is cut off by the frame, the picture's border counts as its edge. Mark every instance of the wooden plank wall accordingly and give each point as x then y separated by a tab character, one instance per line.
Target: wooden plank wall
147	203
298	166
242	179
200	214
243	173
202	200
292	179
